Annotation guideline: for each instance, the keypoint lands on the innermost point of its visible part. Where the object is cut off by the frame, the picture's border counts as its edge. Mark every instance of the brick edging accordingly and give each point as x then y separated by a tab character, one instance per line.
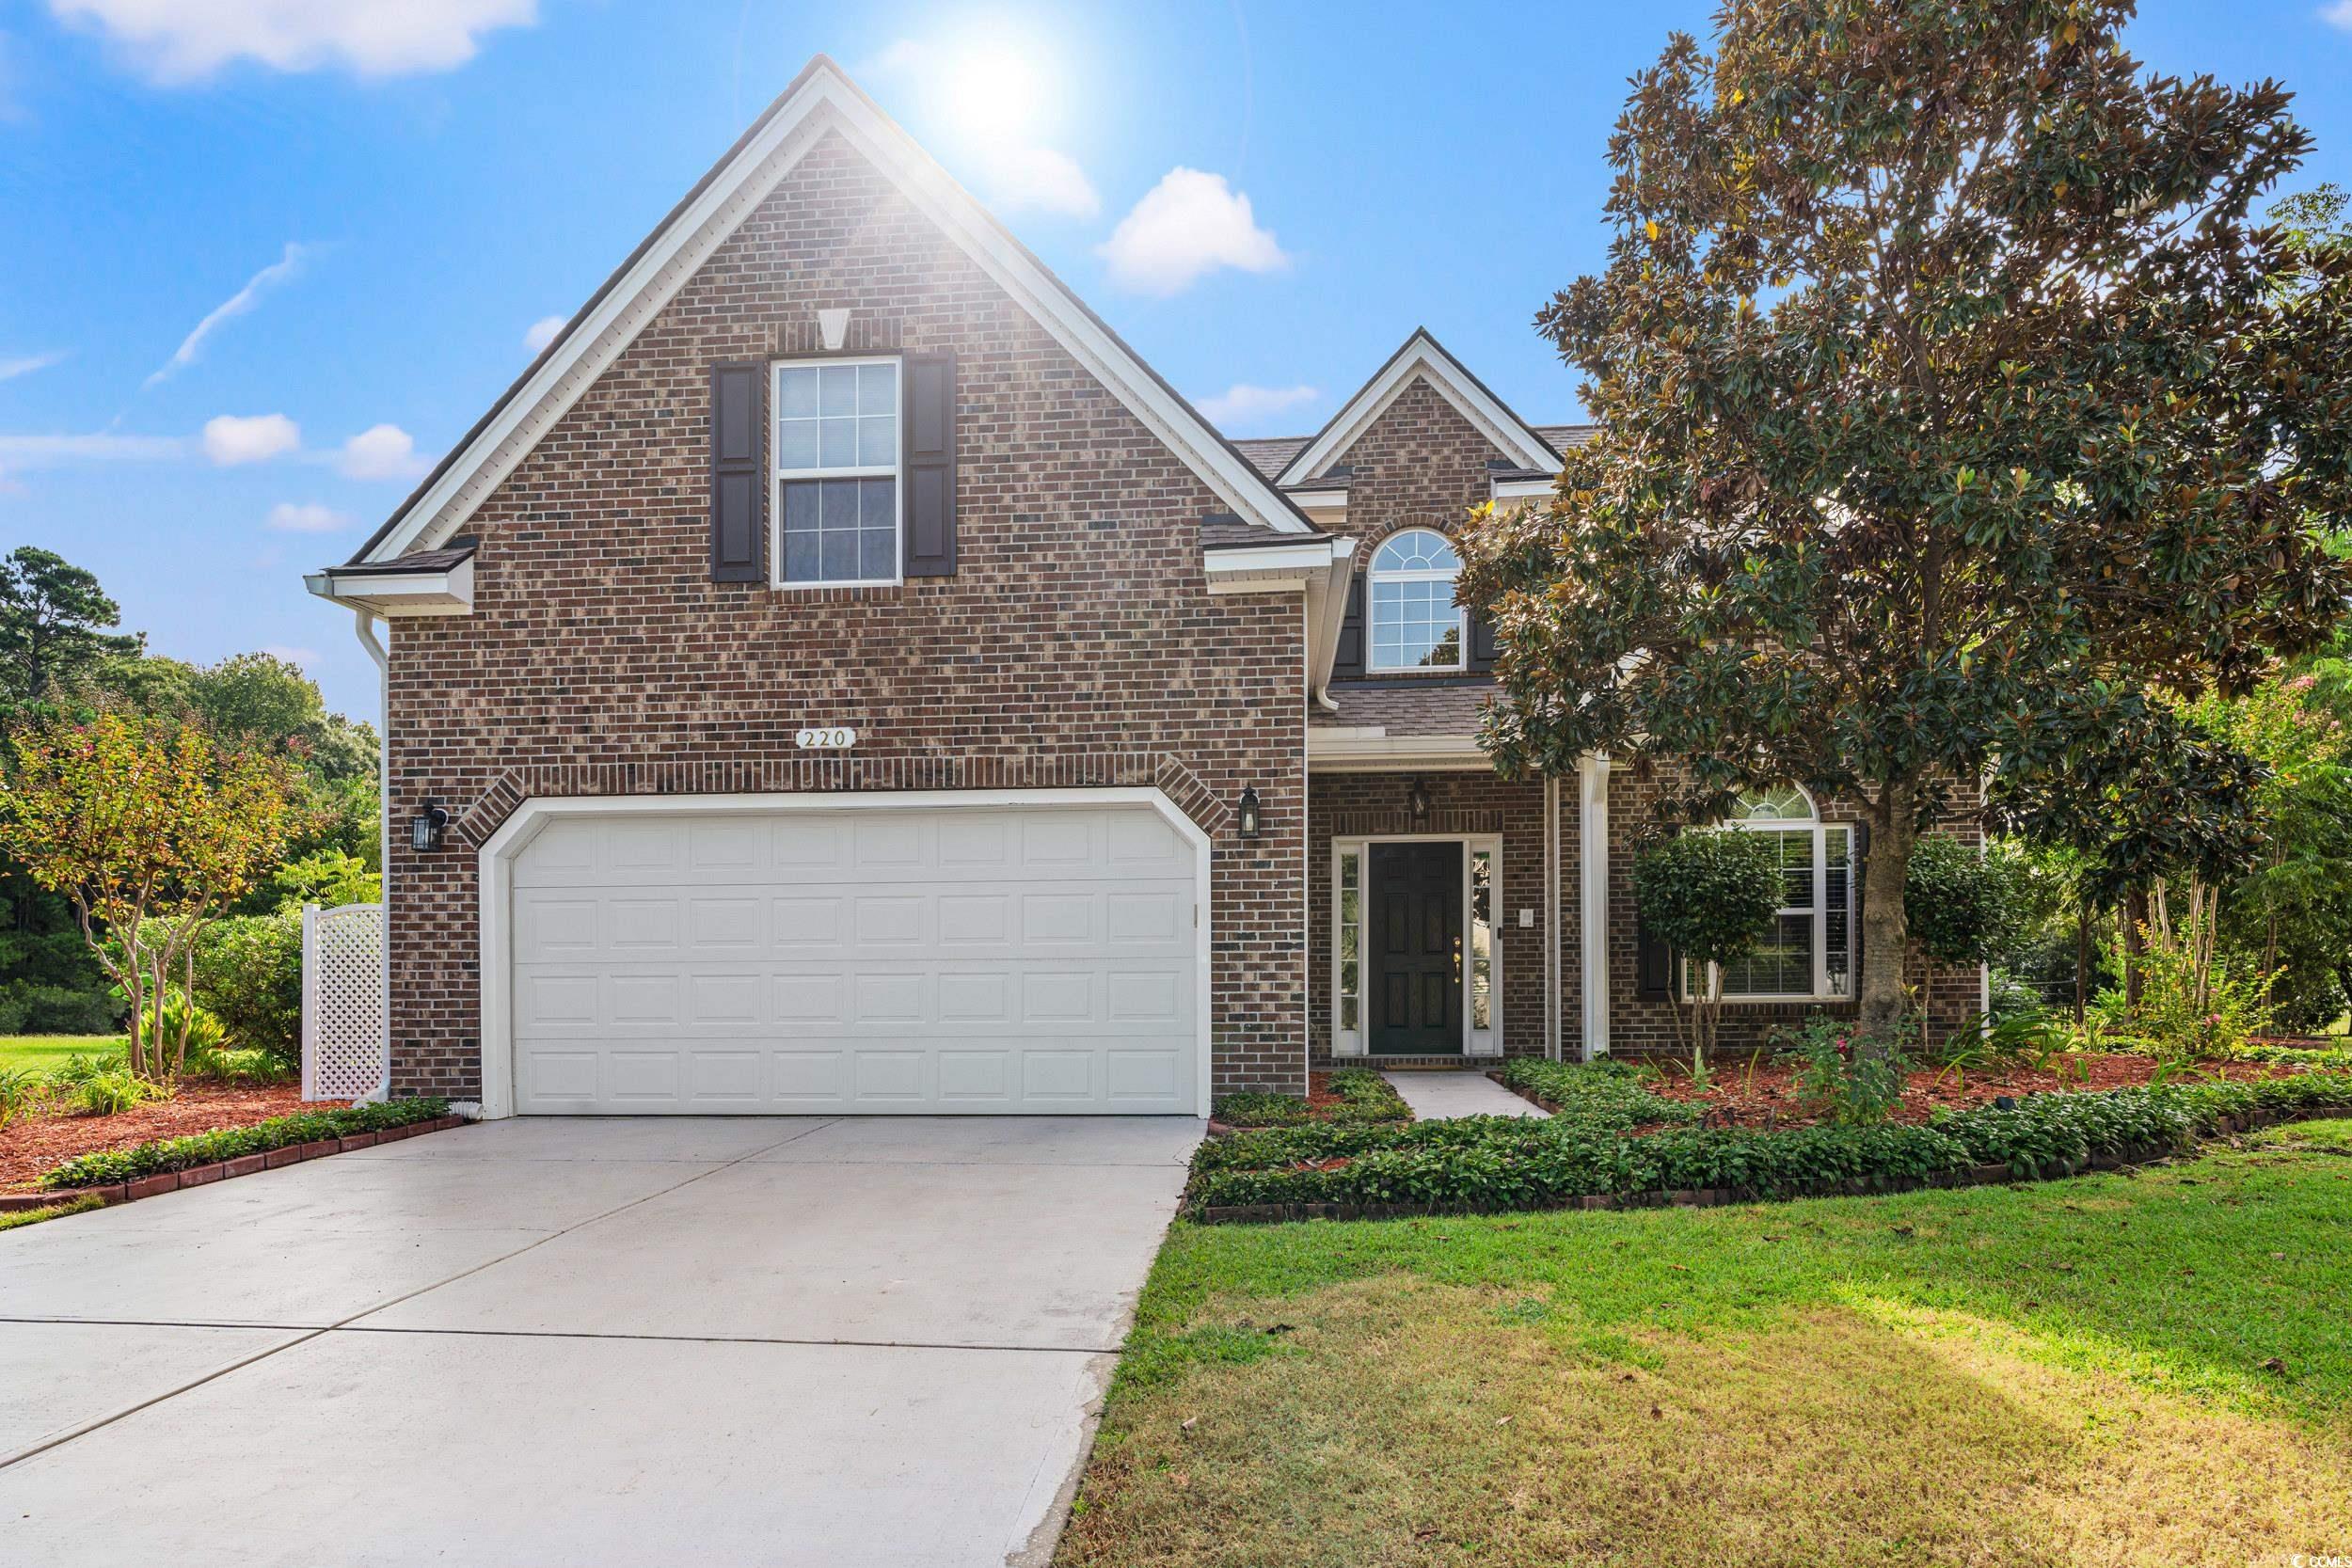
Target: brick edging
1716	1198
244	1165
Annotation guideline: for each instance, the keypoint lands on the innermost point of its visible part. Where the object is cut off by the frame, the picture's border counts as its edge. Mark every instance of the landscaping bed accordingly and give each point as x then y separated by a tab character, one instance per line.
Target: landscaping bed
1615	1139
36	1142
1349	1096
1767	1093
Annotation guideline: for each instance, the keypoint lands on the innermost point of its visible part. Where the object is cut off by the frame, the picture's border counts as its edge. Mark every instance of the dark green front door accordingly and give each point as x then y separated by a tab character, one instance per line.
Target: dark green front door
1416	957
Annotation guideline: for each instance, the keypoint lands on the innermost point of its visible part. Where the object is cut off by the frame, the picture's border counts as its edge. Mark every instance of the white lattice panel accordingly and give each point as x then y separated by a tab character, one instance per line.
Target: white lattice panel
345	1044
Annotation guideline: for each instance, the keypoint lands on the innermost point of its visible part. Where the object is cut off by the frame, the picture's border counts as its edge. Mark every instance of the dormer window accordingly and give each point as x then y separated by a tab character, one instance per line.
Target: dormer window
836	445
1415	623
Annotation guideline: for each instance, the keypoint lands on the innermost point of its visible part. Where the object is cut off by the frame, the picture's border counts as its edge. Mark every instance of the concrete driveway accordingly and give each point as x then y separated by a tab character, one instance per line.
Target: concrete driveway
716	1341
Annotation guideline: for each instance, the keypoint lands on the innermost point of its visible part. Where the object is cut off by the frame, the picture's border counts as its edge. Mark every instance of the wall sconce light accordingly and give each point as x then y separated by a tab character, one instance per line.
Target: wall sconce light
424	829
1417	800
1246	813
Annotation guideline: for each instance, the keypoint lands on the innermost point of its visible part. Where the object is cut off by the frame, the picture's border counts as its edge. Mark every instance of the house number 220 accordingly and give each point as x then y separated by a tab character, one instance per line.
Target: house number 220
839	738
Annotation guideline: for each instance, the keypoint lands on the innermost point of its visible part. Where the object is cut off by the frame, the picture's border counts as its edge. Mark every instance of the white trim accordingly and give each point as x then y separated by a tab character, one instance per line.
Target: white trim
1419	357
391	594
1518	489
779	476
494	862
1327	613
1360	844
825	99
1593	900
1319	501
1369	748
1272	568
380	653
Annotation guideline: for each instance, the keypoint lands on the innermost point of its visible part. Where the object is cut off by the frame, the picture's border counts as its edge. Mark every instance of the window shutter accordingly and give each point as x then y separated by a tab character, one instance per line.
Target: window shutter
1858	862
739	489
1482	641
930	464
1653	967
1347	660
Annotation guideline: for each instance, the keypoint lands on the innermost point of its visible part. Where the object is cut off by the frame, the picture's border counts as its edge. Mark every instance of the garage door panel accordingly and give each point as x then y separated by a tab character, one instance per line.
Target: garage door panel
996	959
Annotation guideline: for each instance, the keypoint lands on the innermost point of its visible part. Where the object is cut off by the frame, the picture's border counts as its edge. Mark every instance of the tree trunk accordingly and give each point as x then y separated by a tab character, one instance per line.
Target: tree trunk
2082	959
2134	921
1886	927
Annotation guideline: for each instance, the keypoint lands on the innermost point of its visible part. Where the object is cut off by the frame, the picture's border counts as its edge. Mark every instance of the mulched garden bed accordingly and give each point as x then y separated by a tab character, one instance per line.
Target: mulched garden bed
1768	1097
33	1144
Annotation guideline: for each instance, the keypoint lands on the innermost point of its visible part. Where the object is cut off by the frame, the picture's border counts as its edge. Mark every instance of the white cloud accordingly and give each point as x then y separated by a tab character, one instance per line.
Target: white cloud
1189	224
2339	14
304	656
237	304
381	451
231	439
1050	182
542	332
307	518
25	364
1244	404
179	40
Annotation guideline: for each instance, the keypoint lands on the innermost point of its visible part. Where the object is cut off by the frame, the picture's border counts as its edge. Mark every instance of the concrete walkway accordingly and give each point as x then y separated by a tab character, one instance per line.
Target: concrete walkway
618	1341
1439	1095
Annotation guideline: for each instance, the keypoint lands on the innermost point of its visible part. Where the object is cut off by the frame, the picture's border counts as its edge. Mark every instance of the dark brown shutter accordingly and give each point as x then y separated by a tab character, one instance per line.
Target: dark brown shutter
1482	641
930	464
1348	659
1653	967
739	490
1857	861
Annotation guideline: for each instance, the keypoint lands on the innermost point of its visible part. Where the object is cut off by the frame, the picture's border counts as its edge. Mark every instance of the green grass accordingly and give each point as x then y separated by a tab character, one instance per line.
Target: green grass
18	1218
2115	1369
42	1052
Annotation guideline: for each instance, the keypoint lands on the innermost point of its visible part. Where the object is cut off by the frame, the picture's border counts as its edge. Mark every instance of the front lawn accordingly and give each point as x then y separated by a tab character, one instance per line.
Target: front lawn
47	1053
2122	1369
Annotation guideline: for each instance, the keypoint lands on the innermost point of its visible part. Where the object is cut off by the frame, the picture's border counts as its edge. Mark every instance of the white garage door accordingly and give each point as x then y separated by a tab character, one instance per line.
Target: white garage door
925	961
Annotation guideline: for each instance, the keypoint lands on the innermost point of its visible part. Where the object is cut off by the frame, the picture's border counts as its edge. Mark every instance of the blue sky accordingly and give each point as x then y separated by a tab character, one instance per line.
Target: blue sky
261	259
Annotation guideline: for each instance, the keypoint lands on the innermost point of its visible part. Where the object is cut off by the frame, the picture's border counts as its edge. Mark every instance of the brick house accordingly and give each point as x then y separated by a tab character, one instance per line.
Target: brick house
840	676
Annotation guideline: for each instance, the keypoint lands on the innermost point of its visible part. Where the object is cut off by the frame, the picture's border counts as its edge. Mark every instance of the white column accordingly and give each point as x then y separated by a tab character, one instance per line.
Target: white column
1593	860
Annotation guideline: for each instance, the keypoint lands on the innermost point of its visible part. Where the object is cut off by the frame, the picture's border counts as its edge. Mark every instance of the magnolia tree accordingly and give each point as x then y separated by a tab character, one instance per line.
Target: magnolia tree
1950	402
152	833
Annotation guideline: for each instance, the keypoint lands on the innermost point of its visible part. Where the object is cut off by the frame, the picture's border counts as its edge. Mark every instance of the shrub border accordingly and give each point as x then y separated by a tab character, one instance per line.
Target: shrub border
1719	1197
222	1170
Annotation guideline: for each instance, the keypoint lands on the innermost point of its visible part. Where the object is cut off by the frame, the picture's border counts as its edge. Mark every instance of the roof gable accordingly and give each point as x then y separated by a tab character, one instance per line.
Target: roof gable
1421	358
821	99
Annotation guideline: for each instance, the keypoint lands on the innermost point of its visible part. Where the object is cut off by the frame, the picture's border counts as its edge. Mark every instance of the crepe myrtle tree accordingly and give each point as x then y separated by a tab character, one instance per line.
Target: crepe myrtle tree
1950	400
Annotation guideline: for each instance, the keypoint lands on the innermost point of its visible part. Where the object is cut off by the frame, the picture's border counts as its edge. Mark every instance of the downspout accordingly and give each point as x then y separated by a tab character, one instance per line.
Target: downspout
363	623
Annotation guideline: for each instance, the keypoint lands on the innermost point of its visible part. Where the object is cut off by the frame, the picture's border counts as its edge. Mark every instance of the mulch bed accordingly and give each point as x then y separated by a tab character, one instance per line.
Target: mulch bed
33	1144
1768	1094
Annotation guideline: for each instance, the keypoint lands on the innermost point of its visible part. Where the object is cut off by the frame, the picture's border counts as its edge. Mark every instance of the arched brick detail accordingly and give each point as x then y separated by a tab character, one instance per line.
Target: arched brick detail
841	772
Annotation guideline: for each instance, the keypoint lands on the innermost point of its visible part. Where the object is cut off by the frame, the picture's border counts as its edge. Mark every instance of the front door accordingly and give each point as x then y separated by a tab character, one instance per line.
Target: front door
1416	979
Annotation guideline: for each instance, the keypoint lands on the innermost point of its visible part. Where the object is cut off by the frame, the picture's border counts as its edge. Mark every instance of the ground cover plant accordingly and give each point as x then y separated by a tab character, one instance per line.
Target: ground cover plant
1350	1095
1587	1147
110	1166
2127	1369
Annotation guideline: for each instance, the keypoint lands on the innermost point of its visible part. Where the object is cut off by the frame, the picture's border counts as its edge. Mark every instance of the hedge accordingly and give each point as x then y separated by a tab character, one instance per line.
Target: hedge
1506	1162
110	1166
1364	1097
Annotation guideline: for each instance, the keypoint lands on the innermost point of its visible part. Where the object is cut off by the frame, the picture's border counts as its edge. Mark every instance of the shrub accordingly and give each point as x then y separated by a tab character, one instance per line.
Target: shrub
1711	897
1843	1077
1959	905
248	971
1364	1096
114	1090
26	1008
21	1089
108	1166
1612	1095
1507	1162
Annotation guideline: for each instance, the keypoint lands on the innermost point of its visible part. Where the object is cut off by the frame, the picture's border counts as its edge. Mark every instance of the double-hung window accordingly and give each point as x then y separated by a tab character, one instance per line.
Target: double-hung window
837	482
1808	954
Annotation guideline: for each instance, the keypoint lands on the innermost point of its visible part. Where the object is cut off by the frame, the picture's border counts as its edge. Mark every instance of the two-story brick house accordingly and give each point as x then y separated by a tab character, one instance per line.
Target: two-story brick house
840	676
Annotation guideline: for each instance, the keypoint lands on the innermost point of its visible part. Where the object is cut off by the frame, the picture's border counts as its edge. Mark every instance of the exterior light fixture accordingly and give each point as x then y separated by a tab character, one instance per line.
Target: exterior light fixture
1417	800
424	829
1246	813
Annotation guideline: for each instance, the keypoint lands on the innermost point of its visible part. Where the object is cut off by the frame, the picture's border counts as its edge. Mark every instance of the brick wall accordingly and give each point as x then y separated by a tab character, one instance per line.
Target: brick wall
1076	642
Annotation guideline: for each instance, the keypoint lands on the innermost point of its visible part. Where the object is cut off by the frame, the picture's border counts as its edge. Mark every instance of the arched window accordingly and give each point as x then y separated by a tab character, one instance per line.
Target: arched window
1809	954
1415	623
